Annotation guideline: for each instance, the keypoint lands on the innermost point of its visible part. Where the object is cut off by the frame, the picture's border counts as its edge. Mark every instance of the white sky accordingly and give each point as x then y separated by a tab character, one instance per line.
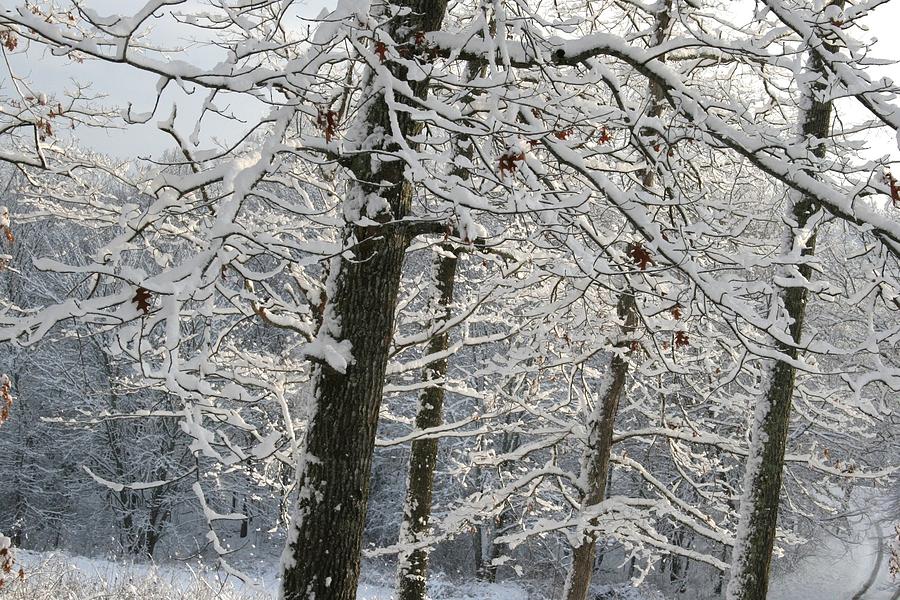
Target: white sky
119	85
883	24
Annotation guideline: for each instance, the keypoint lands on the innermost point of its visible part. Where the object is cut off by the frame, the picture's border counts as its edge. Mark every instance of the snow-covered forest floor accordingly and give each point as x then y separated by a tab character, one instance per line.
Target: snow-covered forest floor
832	568
62	576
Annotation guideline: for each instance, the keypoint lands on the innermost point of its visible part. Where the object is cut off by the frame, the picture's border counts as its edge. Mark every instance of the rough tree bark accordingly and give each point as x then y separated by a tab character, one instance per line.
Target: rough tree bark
752	553
321	559
413	563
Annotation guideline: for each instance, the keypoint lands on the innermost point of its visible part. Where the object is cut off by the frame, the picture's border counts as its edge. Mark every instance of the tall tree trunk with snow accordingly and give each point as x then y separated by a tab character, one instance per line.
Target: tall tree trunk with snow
321	559
413	562
595	462
752	553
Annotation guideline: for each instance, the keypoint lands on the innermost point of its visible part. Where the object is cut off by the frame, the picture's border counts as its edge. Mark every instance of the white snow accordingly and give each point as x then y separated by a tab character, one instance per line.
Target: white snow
59	575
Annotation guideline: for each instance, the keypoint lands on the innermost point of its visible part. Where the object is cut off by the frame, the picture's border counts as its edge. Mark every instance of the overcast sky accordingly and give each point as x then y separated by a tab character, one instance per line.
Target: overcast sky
119	84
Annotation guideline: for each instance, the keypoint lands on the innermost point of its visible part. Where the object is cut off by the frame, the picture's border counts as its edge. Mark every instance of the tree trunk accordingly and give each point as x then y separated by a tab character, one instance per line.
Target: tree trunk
752	553
321	559
595	464
413	563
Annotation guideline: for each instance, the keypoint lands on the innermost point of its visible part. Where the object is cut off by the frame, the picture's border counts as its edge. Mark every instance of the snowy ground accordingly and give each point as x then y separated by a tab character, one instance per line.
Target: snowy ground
61	576
832	571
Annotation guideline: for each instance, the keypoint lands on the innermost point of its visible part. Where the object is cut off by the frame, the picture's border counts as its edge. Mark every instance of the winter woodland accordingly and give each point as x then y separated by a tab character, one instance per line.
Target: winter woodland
585	298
